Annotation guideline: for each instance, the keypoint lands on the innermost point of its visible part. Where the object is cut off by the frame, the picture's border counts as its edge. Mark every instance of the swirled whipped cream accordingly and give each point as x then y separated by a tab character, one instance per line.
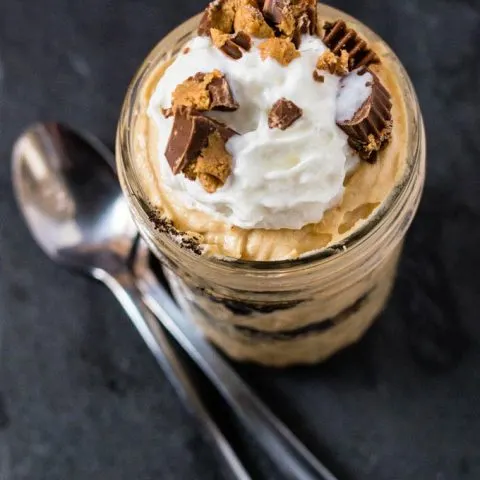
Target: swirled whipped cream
280	178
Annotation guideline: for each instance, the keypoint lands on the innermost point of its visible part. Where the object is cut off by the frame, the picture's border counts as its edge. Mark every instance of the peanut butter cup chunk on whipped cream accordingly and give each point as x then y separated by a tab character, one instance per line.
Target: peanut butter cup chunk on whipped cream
283	114
369	128
292	18
220	15
280	49
231	44
191	134
336	65
251	21
204	91
230	16
265	140
214	164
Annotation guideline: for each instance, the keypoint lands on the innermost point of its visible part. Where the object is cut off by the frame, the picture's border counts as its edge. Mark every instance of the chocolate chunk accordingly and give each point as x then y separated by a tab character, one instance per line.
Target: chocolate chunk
221	95
283	114
273	10
225	132
189	136
371	126
231	44
242	40
339	37
232	50
307	17
318	77
307	22
167	112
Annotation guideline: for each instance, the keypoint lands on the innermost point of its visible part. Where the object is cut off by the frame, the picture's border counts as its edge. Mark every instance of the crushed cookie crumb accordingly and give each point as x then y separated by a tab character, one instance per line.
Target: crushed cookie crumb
166	226
250	20
280	49
336	65
186	50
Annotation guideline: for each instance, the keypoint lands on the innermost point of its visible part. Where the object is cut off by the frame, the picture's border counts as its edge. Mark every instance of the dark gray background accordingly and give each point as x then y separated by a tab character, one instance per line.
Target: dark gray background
80	397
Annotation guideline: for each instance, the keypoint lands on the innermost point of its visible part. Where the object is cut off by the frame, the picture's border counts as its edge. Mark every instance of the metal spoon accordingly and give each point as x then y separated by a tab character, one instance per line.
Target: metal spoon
54	166
73	207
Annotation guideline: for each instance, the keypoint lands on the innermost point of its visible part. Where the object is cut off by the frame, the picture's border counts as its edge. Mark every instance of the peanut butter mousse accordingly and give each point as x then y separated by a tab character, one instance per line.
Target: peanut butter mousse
273	134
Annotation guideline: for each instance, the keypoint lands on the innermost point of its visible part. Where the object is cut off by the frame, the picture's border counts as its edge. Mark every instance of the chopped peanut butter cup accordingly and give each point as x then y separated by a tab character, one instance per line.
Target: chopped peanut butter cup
249	19
283	114
214	165
203	92
220	15
370	127
187	138
338	37
292	18
280	49
336	65
192	133
221	95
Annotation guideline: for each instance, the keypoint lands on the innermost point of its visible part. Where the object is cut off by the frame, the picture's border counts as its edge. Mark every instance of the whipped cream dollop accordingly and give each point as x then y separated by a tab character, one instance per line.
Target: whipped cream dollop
280	178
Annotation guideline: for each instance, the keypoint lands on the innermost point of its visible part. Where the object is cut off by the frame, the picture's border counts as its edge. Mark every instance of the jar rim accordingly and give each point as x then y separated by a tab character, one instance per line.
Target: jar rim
132	185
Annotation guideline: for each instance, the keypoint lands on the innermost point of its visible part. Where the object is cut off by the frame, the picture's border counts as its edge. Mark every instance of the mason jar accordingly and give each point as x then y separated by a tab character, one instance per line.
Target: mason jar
282	312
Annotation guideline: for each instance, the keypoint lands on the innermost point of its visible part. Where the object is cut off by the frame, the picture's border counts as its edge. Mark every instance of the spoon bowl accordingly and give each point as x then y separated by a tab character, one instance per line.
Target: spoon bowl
70	198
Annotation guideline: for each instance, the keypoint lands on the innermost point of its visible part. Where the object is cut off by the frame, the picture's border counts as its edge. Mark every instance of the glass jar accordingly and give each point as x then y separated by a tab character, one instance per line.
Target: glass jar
280	313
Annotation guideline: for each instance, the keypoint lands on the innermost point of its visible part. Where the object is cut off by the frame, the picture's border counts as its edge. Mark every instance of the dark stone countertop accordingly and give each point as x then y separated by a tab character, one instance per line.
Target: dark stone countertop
80	396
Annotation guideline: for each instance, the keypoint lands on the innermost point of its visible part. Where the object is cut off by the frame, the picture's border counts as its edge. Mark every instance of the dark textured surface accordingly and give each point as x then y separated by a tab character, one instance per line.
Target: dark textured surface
80	397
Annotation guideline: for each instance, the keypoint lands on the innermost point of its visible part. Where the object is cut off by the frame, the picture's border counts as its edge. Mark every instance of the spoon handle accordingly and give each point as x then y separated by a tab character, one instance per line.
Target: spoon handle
286	451
122	285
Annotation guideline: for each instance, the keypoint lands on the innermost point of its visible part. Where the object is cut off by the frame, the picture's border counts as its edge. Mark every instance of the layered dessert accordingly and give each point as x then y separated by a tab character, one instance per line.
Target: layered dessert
272	134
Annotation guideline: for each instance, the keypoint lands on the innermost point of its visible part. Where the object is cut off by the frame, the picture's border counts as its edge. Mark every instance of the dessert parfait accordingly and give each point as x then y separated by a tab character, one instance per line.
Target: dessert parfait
273	157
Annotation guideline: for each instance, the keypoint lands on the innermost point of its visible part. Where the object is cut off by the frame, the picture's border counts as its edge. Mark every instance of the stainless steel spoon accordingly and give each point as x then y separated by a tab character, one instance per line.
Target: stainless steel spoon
73	207
76	211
